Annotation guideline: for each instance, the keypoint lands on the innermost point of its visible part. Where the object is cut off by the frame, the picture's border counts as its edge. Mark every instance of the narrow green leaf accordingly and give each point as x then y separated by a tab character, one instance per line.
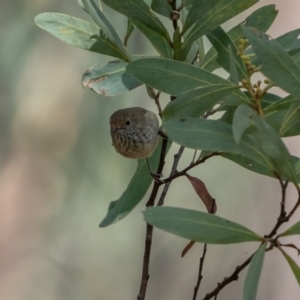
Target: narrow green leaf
80	3
196	102
136	190
158	42
198	10
277	65
130	28
279	104
174	77
103	23
250	164
234	77
187	3
199	226
78	33
268	139
286	41
138	10
212	135
261	19
297	166
109	79
162	7
197	48
221	42
295	268
295	229
218	14
240	122
253	274
291	117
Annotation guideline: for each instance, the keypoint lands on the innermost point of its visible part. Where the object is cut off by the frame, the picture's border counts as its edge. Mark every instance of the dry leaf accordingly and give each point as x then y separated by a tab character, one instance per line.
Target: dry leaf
203	193
206	198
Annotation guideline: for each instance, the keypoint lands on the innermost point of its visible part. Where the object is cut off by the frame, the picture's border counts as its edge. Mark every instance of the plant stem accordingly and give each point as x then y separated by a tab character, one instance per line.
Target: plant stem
196	288
234	276
149	228
173	171
192	165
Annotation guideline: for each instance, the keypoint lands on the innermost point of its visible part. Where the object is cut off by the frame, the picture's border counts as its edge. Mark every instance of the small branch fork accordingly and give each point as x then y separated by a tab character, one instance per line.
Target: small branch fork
283	217
157	183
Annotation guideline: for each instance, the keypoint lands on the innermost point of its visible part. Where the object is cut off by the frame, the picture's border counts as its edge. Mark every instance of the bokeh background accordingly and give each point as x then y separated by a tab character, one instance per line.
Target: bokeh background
58	173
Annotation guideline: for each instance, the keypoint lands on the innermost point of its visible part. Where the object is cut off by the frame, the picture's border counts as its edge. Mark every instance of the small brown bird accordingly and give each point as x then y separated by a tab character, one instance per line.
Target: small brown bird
134	132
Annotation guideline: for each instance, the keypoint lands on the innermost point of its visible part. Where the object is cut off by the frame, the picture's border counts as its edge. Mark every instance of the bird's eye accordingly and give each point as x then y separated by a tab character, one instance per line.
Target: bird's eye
127	122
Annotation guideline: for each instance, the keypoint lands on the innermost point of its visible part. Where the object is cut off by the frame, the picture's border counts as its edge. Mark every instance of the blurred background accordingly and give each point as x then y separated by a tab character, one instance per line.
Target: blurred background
59	172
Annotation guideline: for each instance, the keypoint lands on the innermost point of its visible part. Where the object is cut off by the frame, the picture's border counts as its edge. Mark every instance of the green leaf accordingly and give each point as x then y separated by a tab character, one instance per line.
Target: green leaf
78	33
249	164
288	39
261	19
109	79
197	48
80	3
210	19
277	65
212	135
196	102
291	117
278	104
295	229
234	77
268	139
158	42
203	6
295	268
199	226
221	42
103	23
130	28
136	190
240	122
174	77
138	10
253	274
161	7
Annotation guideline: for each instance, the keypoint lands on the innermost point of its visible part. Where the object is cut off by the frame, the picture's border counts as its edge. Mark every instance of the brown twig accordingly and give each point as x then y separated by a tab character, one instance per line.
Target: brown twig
174	13
234	276
177	157
192	165
149	228
200	276
202	258
282	215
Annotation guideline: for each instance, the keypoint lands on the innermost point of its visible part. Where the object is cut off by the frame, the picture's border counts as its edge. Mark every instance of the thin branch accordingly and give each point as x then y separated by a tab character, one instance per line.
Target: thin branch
155	97
195	58
202	258
282	215
149	228
196	288
174	14
295	207
173	171
192	165
234	276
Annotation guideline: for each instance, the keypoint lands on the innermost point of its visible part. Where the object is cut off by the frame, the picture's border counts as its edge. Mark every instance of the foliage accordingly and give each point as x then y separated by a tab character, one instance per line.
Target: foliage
252	126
